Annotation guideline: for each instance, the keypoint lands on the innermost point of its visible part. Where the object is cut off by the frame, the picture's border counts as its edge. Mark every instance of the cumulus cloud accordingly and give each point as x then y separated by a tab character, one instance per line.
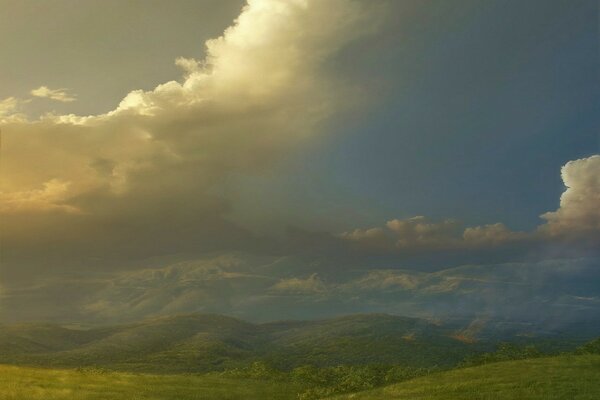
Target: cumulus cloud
579	211
311	285
153	167
383	280
577	218
9	110
492	234
61	95
189	65
422	233
8	106
146	179
51	197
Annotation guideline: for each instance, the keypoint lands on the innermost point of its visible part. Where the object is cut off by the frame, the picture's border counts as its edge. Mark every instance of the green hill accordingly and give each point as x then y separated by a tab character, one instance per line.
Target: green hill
566	377
200	343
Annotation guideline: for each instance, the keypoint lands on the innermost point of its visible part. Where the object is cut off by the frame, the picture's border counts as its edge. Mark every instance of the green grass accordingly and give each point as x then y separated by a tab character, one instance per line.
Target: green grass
568	377
18	383
565	377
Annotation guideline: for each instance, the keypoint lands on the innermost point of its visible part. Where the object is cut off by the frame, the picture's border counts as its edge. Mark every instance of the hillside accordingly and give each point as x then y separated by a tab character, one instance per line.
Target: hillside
205	342
209	342
557	378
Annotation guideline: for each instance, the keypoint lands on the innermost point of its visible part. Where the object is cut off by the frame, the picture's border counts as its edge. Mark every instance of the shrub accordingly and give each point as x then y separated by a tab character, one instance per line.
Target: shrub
505	352
592	347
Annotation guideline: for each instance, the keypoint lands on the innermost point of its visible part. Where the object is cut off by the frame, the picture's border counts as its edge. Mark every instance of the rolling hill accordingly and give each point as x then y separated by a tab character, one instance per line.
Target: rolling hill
565	377
209	342
205	342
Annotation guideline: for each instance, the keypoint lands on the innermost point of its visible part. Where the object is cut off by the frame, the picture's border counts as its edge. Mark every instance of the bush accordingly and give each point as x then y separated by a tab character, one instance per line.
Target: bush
505	352
256	370
329	381
92	370
592	347
323	382
400	374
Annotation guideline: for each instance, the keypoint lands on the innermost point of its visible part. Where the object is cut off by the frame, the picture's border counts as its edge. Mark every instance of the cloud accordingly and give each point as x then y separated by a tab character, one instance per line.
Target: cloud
492	234
579	213
189	65
9	110
311	285
51	197
61	95
576	220
383	280
145	182
8	106
421	233
148	176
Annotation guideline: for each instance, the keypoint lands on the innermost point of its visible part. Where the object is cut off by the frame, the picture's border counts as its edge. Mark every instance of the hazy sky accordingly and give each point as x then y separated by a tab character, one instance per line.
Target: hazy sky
338	140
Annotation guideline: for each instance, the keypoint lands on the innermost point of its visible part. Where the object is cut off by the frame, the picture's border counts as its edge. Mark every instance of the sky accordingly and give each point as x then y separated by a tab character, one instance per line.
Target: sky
299	158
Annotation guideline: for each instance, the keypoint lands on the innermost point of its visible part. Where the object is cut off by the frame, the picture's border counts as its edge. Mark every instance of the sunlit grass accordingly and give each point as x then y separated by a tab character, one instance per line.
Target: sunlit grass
44	384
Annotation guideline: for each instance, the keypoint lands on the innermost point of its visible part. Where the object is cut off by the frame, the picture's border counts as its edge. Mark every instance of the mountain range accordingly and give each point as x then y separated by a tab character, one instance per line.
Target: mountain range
208	342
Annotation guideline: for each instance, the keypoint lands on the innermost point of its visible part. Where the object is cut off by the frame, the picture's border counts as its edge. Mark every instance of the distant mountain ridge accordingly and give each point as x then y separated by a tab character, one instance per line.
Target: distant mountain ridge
205	342
547	294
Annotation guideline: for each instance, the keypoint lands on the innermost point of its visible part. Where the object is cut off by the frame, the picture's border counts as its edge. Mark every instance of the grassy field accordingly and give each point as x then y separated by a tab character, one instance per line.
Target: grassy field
566	377
17	383
563	377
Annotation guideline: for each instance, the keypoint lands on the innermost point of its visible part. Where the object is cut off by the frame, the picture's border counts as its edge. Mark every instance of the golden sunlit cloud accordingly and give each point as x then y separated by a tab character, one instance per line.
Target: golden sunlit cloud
156	162
61	95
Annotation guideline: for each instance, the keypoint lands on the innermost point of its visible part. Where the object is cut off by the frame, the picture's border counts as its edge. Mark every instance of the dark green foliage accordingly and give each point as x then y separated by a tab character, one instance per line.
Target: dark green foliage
256	370
565	377
204	343
400	374
330	381
592	347
505	352
327	381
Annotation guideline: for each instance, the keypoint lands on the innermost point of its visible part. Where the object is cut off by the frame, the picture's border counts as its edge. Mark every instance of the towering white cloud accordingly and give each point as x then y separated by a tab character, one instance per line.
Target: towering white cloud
579	211
577	218
260	89
159	157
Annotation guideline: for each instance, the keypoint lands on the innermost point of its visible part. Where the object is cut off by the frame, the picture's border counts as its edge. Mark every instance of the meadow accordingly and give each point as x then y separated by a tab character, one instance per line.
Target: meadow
568	377
21	383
